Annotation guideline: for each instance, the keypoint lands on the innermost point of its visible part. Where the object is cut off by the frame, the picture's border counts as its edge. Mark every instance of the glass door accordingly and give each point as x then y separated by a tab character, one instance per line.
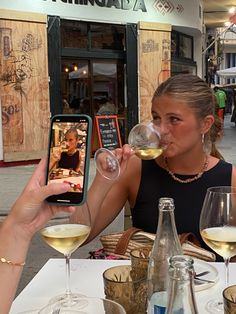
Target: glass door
94	87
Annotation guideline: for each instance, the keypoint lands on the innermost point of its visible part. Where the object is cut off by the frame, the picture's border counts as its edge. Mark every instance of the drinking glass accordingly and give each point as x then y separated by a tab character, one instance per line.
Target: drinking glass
218	229
90	306
65	234
145	141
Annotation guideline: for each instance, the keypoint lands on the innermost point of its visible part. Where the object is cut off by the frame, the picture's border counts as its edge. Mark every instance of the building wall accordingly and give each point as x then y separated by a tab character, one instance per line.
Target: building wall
183	14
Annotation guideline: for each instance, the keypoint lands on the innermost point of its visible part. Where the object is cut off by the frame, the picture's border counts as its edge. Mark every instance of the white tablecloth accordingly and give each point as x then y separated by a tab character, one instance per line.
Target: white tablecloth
86	278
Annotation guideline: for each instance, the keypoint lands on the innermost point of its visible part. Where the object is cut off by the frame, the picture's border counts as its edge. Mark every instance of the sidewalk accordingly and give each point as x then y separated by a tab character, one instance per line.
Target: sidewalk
227	146
13	180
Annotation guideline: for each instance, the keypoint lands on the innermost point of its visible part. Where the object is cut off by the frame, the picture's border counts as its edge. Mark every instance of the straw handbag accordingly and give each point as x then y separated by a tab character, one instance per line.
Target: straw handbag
120	244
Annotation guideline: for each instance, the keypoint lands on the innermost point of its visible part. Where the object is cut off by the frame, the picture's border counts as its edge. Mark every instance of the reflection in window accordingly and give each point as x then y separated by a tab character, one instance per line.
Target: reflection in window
74	85
181	45
181	68
85	35
185	47
74	34
104	36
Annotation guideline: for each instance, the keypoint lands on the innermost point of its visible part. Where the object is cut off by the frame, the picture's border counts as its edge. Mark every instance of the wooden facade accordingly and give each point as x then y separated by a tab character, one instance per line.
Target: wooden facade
154	62
24	88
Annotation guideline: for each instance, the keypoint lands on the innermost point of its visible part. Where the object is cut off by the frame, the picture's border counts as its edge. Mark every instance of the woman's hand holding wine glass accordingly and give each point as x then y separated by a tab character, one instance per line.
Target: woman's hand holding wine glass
218	229
144	141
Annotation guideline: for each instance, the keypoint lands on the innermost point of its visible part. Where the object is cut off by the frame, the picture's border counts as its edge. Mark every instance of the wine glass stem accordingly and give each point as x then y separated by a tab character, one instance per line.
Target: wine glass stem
68	291
226	261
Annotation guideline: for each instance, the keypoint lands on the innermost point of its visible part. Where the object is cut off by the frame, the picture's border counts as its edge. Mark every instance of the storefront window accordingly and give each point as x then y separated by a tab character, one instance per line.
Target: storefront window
181	46
92	35
104	36
75	85
92	69
178	68
185	47
74	34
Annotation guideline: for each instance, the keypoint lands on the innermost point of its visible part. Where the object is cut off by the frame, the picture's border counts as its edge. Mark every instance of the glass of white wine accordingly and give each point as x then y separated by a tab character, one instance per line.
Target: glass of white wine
145	141
65	234
218	229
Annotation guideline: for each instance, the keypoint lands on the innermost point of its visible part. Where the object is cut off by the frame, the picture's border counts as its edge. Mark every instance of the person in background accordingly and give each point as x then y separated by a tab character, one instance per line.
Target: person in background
84	106
69	159
183	107
221	101
107	107
28	215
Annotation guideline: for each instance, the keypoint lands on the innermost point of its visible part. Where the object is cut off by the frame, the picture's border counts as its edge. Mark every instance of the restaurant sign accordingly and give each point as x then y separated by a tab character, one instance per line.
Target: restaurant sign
134	5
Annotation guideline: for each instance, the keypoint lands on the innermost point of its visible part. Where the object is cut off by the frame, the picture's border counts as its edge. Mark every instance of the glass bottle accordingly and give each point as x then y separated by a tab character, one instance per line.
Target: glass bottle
181	298
166	245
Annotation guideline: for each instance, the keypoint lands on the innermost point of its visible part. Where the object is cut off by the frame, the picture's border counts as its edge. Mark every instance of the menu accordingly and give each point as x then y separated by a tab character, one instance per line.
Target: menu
107	129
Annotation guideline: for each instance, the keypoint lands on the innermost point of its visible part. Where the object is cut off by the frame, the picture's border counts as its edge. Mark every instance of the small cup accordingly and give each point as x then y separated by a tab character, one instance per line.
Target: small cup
139	262
229	296
120	287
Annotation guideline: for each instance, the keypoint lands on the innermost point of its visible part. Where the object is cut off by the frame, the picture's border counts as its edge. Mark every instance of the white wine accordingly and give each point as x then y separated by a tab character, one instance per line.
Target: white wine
221	239
65	238
148	153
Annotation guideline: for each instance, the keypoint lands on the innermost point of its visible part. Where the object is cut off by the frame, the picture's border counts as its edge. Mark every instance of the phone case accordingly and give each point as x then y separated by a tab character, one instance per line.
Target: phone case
72	118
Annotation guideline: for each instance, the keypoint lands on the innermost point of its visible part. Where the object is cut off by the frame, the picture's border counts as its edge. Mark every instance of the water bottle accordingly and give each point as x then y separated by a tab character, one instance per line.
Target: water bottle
166	245
181	298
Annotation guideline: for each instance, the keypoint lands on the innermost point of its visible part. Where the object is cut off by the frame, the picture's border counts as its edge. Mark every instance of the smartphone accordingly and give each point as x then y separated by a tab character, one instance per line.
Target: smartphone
69	156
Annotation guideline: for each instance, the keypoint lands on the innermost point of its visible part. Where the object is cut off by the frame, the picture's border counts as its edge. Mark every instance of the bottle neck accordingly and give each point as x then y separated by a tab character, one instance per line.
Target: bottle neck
166	231
181	297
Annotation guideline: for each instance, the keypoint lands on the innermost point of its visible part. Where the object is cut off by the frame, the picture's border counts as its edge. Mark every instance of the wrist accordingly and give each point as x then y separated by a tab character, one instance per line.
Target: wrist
14	234
14	244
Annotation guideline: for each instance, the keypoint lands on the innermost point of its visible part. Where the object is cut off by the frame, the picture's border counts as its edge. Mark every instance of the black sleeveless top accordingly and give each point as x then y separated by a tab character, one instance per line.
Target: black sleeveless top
69	161
188	197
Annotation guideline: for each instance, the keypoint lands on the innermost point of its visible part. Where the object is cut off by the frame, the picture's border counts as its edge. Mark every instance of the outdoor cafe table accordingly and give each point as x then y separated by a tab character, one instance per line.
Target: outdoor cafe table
86	278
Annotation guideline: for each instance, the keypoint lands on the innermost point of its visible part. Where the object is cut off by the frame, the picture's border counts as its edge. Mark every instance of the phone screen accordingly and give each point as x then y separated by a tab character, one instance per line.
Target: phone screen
68	157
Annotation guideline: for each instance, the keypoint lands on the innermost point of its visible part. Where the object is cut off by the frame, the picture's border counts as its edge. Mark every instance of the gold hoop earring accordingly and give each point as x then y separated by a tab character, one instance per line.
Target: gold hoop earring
203	138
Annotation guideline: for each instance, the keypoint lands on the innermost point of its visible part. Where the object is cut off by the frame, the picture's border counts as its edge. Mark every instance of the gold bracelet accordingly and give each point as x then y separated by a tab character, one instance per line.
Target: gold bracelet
4	261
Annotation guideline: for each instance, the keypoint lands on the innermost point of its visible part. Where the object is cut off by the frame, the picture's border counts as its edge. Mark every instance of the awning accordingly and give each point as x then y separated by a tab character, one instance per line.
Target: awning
227	73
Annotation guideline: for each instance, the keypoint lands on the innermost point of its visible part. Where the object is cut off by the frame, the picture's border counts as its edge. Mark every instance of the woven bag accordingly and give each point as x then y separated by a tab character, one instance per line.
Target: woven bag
120	244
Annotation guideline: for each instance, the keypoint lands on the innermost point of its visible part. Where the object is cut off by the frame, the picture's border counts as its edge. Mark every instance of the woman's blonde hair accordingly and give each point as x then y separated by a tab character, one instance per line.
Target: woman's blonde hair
72	131
199	96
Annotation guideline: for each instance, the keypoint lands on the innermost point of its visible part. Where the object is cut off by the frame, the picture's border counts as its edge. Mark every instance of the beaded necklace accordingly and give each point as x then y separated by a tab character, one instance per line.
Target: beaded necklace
189	180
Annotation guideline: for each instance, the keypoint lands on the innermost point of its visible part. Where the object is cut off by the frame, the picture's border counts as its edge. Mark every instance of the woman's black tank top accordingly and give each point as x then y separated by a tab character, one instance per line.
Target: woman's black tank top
188	197
69	161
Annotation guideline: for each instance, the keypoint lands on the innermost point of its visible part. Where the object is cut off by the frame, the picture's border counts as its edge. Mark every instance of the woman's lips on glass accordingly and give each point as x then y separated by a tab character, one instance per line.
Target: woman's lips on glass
164	144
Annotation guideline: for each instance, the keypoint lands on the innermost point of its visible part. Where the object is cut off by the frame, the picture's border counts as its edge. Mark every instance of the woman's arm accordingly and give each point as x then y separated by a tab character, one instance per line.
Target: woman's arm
54	158
106	197
28	215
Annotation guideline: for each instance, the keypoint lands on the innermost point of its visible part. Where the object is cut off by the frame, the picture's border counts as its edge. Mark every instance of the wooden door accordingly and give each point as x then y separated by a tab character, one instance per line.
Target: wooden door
24	85
154	62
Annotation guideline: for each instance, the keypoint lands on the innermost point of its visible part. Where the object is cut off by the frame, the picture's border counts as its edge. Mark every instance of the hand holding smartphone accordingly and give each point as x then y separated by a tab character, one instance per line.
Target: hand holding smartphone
69	156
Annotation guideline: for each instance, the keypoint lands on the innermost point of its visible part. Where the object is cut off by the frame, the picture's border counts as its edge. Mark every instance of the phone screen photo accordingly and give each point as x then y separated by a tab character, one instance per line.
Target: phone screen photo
68	157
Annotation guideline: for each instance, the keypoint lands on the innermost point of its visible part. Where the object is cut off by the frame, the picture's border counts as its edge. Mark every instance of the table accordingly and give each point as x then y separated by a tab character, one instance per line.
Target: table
86	278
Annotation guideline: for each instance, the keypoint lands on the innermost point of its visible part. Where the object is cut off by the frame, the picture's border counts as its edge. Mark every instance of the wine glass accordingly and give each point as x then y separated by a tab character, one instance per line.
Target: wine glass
65	234
145	141
218	229
91	306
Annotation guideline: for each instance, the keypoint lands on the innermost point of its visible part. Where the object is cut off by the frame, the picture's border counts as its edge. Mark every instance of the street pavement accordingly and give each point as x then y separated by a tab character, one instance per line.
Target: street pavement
13	180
